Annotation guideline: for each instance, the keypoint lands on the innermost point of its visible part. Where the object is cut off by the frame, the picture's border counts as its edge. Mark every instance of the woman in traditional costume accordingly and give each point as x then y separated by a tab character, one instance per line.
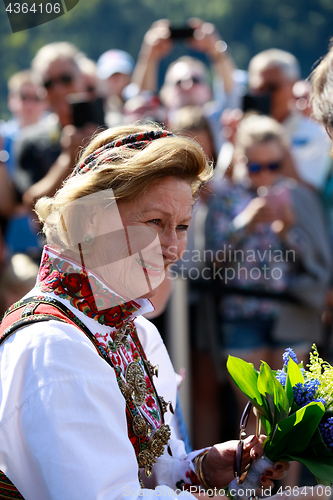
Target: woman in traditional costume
83	414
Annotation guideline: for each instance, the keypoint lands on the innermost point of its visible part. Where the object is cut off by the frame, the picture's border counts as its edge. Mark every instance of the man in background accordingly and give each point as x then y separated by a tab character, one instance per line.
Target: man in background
273	73
48	150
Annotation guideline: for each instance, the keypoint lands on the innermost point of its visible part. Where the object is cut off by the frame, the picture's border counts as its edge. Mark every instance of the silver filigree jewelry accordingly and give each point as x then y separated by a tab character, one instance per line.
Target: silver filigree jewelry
88	240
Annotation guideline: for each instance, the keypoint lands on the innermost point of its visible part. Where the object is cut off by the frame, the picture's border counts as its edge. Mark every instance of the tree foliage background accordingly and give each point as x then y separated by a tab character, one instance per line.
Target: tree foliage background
303	27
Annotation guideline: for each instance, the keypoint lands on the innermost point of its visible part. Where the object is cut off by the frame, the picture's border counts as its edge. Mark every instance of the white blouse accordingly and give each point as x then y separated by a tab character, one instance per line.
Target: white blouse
63	428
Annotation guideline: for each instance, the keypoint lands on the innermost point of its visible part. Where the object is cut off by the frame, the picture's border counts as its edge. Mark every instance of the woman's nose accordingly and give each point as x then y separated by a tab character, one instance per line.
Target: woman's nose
169	244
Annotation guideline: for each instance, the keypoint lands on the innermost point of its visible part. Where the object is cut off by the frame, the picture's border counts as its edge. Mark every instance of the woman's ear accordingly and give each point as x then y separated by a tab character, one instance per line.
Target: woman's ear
93	215
91	220
102	218
76	221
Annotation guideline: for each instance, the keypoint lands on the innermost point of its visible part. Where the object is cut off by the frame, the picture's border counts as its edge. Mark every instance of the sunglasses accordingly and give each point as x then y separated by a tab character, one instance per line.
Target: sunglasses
31	98
194	79
255	167
64	79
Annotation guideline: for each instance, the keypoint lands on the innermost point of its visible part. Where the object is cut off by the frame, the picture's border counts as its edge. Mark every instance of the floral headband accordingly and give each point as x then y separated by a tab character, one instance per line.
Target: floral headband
133	141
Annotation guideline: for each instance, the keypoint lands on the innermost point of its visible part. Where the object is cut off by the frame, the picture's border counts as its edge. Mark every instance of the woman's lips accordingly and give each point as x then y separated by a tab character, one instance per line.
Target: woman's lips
151	268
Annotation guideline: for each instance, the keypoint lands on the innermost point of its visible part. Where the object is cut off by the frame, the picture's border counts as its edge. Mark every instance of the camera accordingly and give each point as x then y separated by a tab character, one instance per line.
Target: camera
86	111
181	32
258	103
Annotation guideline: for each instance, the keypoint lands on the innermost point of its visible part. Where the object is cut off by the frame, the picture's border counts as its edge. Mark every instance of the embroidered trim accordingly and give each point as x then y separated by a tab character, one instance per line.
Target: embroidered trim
7	489
134	141
84	292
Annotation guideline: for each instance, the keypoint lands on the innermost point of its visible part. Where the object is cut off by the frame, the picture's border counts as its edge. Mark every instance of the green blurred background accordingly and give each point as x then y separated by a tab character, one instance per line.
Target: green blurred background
303	27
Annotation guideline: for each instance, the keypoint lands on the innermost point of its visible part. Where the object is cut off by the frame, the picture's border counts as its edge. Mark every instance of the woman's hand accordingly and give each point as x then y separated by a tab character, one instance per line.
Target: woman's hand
157	43
286	219
257	211
218	465
268	210
206	38
73	138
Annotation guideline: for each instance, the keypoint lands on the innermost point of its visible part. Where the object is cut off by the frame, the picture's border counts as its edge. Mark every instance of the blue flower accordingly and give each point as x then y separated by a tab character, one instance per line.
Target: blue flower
305	393
298	391
326	431
289	353
320	400
281	377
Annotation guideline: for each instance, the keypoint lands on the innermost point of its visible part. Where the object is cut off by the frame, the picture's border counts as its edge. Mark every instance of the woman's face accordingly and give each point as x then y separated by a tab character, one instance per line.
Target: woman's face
264	163
62	78
160	216
186	85
135	241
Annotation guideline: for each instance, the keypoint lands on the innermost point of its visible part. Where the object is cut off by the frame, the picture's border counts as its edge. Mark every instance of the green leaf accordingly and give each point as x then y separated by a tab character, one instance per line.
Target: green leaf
294	376
322	471
294	433
245	377
275	400
318	459
323	482
266	425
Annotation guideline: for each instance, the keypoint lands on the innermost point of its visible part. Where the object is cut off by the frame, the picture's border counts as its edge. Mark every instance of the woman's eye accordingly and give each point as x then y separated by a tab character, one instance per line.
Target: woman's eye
155	221
182	227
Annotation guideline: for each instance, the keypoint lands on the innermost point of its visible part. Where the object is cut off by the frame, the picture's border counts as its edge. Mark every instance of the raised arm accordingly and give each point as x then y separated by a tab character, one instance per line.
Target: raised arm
207	39
155	46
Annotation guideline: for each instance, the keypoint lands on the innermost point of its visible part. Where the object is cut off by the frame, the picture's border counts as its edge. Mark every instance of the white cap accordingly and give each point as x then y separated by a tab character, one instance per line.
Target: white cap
114	61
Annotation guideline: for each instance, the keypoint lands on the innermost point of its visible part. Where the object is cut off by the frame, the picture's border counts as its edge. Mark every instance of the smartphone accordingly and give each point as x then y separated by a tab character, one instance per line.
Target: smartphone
86	111
259	103
278	197
178	33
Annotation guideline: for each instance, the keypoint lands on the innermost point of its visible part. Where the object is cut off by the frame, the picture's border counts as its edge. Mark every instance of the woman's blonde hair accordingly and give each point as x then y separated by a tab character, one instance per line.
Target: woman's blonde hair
321	91
127	176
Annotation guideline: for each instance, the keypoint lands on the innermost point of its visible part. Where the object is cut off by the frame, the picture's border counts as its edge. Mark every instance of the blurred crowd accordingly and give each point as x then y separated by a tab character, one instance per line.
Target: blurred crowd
259	256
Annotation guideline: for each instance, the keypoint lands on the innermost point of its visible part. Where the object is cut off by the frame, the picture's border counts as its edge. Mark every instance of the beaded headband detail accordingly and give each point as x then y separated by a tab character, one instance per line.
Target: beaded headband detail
133	141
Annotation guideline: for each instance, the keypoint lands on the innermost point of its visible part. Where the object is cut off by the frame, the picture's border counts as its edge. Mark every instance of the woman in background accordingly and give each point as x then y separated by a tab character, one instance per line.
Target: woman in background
268	236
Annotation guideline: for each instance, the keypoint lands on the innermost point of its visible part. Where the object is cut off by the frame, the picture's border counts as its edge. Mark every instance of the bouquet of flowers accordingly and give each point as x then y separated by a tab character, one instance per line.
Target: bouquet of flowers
296	410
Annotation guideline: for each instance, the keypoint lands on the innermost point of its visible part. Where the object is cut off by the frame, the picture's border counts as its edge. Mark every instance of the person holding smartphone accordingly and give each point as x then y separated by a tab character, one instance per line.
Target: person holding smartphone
186	81
271	252
273	73
47	151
